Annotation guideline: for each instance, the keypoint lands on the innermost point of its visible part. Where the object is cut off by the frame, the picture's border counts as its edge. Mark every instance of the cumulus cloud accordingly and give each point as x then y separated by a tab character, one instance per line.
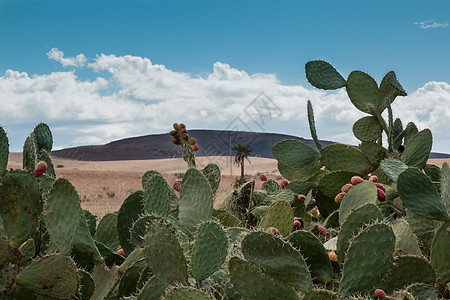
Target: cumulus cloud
58	55
139	97
431	24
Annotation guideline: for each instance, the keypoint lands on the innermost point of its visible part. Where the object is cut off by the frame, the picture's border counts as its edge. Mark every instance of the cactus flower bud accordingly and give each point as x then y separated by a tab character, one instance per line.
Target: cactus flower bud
284	183
192	141
345	188
194	147
321	230
173	133
297	225
373	178
176	126
339	197
40	169
356	179
381	195
121	252
380	293
177	185
301	198
263	177
274	231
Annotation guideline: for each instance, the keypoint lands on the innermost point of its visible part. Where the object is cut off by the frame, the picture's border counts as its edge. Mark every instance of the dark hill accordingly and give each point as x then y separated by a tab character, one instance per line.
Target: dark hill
211	142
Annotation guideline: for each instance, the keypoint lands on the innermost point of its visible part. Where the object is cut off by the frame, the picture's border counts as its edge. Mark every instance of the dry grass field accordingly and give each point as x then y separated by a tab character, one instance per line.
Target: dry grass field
104	185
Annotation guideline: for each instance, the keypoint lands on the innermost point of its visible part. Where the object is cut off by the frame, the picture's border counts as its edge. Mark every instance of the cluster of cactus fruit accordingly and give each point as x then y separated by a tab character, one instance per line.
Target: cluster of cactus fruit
188	144
387	236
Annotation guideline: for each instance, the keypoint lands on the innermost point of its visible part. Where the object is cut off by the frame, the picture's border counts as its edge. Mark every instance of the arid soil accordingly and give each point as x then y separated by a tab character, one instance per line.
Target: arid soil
104	185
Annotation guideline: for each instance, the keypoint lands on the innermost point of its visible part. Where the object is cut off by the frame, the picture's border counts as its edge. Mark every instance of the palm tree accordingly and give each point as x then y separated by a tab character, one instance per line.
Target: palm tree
242	152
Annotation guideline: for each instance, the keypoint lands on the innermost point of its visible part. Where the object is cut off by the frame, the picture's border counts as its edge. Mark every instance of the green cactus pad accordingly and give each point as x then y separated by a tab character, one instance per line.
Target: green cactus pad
54	275
20	205
260	211
418	149
137	254
163	253
196	199
252	283
445	186
312	126
422	291
433	171
393	167
345	158
314	253
363	91
42	155
28	249
212	173
397	138
321	295
87	285
367	129
325	204
105	281
420	195
152	290
331	183
369	257
9	254
406	270
110	256
107	231
423	228
280	216
225	218
132	208
278	259
440	254
62	214
43	137
158	196
4	151
187	293
301	187
356	220
209	250
294	154
139	228
390	88
373	151
128	282
405	239
91	221
259	196
322	75
83	243
271	187
332	221
358	195
301	174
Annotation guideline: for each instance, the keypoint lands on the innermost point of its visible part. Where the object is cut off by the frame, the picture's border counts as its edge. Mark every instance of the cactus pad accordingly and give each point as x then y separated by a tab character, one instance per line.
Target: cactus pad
405	239
322	75
393	167
363	91
440	255
365	192
295	154
107	231
312	126
158	196
212	173
418	149
187	293
132	208
367	129
280	216
345	158
4	151
152	290
330	184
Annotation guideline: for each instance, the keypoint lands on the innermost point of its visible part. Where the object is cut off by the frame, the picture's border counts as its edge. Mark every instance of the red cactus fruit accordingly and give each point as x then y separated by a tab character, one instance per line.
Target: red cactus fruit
333	257
40	169
176	126
380	293
301	198
274	231
194	147
182	126
263	177
183	131
297	225
176	141
339	197
177	185
373	178
381	195
185	136
380	186
321	230
192	141
121	252
284	183
346	187
356	179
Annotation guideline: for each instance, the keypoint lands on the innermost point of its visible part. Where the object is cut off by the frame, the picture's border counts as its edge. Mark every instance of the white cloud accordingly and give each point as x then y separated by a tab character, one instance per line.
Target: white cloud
58	55
146	98
431	24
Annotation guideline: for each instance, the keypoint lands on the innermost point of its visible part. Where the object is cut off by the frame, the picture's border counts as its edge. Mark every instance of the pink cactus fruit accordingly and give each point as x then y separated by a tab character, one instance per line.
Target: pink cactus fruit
356	179
373	178
194	147
333	257
275	232
40	169
263	177
380	186
381	195
346	187
321	230
177	185
284	183
301	198
297	225
339	197
380	293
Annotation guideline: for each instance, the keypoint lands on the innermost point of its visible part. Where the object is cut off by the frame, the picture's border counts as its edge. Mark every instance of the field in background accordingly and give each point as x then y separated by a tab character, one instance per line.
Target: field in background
104	185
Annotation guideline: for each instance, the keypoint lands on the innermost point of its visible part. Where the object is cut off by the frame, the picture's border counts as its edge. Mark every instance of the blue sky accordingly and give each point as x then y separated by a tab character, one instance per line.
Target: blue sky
143	65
